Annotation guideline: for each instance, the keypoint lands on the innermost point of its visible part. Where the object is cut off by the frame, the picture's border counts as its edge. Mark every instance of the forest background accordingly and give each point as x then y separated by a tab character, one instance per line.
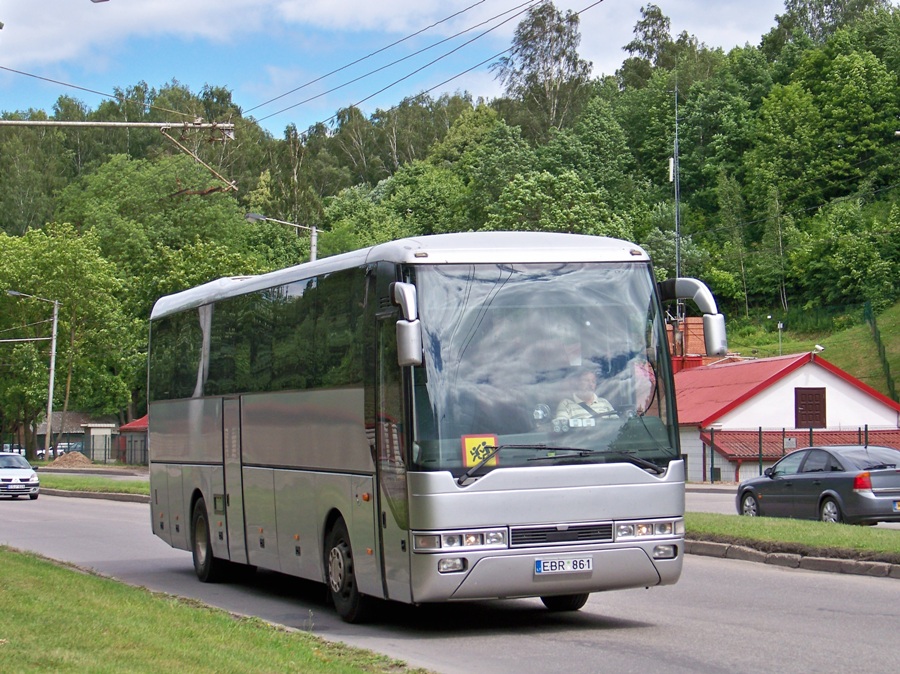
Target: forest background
787	166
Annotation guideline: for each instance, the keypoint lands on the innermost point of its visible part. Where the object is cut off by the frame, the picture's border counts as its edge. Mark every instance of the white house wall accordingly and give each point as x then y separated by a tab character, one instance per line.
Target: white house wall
846	407
692	450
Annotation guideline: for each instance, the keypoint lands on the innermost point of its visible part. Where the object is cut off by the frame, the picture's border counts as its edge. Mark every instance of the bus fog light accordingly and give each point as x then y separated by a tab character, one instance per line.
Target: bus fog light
427	542
452	565
665	552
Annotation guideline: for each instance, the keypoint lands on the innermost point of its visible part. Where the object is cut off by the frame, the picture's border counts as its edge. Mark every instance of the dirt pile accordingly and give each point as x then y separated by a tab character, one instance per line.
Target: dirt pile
72	460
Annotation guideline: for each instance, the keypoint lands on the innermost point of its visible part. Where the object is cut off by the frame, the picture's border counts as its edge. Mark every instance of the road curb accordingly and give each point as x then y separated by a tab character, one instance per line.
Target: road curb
827	564
133	498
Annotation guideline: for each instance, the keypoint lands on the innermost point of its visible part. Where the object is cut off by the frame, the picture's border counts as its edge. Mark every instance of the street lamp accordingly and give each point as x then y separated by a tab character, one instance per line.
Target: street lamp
16	293
313	232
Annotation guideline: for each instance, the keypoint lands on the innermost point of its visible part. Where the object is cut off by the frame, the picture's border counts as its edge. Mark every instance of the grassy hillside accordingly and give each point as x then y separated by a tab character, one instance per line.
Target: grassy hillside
852	350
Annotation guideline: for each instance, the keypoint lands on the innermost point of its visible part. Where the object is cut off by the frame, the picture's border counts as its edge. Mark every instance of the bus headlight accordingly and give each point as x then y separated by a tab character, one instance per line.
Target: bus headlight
470	540
649	529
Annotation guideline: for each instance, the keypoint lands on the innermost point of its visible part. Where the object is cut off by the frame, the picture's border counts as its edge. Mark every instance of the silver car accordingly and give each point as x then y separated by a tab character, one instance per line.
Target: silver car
845	483
17	477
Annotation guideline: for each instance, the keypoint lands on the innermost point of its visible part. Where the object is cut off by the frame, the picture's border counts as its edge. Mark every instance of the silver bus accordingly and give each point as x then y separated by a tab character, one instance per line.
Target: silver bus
392	421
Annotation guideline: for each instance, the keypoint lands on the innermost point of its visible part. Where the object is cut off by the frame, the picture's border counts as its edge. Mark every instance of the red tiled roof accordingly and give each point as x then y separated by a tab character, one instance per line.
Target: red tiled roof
136	426
744	445
706	393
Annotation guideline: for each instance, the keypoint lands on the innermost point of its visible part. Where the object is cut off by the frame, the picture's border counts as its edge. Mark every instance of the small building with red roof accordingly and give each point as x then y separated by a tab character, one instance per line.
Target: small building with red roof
738	417
133	441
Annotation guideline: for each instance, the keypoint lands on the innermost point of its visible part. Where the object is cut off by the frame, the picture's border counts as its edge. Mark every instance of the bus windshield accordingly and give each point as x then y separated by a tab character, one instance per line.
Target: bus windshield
540	364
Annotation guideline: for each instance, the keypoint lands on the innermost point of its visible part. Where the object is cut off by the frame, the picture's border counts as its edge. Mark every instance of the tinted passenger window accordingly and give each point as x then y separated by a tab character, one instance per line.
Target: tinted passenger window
817	461
790	464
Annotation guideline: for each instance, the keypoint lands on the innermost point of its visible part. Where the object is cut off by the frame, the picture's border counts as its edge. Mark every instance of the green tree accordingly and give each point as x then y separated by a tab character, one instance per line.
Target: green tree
542	201
544	70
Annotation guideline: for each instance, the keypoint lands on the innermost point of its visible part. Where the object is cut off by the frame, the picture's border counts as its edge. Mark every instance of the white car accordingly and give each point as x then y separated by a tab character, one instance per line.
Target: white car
17	477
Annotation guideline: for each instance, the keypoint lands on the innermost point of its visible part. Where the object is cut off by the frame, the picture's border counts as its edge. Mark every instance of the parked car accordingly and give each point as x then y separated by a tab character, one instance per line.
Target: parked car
14	448
66	447
18	477
848	483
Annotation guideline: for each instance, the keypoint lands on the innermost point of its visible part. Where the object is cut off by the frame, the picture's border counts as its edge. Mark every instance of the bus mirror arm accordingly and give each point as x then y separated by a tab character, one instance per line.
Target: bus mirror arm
713	322
409	343
403	295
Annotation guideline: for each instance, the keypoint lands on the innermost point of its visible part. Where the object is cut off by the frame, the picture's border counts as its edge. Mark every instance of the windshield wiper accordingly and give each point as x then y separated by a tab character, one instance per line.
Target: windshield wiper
577	451
493	450
637	461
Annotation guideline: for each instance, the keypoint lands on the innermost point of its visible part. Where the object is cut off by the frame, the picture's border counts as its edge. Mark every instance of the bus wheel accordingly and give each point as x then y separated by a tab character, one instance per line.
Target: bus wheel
565	602
340	576
208	568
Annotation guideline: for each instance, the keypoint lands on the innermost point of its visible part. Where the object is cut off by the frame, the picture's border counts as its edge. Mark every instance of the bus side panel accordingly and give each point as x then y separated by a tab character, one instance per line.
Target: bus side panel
186	431
178	524
346	494
299	527
259	513
159	502
208	482
322	429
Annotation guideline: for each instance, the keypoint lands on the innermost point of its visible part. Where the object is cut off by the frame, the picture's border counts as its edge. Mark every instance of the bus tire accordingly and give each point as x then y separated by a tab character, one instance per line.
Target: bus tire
565	602
340	576
209	569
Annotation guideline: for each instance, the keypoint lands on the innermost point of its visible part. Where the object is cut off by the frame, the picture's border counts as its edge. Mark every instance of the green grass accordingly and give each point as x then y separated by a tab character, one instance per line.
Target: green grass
811	537
94	483
56	619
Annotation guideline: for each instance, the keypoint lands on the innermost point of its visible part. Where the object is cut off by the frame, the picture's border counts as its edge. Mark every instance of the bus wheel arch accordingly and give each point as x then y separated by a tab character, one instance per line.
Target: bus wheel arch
208	567
340	573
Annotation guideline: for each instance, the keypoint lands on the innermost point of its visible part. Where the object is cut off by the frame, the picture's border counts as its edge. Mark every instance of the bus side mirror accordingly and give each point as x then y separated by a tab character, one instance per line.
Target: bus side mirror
409	343
409	330
714	334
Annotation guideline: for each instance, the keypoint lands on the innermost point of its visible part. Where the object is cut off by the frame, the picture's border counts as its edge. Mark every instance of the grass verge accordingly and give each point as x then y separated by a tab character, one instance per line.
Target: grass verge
57	619
803	537
94	483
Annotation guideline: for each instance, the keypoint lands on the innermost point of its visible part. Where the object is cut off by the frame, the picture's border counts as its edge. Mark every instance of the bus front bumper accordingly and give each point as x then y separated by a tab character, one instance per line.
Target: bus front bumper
547	571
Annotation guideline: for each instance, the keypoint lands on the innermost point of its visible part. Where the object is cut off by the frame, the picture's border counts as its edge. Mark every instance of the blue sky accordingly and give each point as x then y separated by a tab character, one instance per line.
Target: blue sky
263	49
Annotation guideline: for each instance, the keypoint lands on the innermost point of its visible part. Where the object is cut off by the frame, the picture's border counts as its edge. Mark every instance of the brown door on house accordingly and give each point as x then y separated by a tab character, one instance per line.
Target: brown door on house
809	408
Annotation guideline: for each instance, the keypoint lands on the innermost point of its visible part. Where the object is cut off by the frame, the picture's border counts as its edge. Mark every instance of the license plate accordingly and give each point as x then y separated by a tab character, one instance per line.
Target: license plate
15	487
563	565
897	506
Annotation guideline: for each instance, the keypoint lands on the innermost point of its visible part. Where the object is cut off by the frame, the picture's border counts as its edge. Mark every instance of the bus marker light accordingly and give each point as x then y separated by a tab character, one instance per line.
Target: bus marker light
366	497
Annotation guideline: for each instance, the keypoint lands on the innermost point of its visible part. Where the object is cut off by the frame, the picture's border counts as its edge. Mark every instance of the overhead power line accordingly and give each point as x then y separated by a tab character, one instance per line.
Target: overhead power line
527	6
363	58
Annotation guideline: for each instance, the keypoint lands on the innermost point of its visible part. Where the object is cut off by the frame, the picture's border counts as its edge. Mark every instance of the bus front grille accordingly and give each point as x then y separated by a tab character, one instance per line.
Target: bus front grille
523	537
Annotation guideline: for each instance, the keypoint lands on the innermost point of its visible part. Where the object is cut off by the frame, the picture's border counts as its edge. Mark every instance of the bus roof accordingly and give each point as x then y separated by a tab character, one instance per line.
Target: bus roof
459	248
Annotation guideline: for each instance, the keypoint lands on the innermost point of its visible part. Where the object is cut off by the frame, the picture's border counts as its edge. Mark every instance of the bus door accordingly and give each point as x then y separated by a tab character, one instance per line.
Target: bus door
390	437
234	486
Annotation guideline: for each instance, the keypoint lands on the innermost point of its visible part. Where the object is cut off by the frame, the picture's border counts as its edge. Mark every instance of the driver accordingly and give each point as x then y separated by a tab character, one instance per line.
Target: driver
584	403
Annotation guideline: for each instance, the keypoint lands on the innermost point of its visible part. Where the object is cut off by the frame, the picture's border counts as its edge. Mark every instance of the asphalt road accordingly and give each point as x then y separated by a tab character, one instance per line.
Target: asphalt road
723	616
